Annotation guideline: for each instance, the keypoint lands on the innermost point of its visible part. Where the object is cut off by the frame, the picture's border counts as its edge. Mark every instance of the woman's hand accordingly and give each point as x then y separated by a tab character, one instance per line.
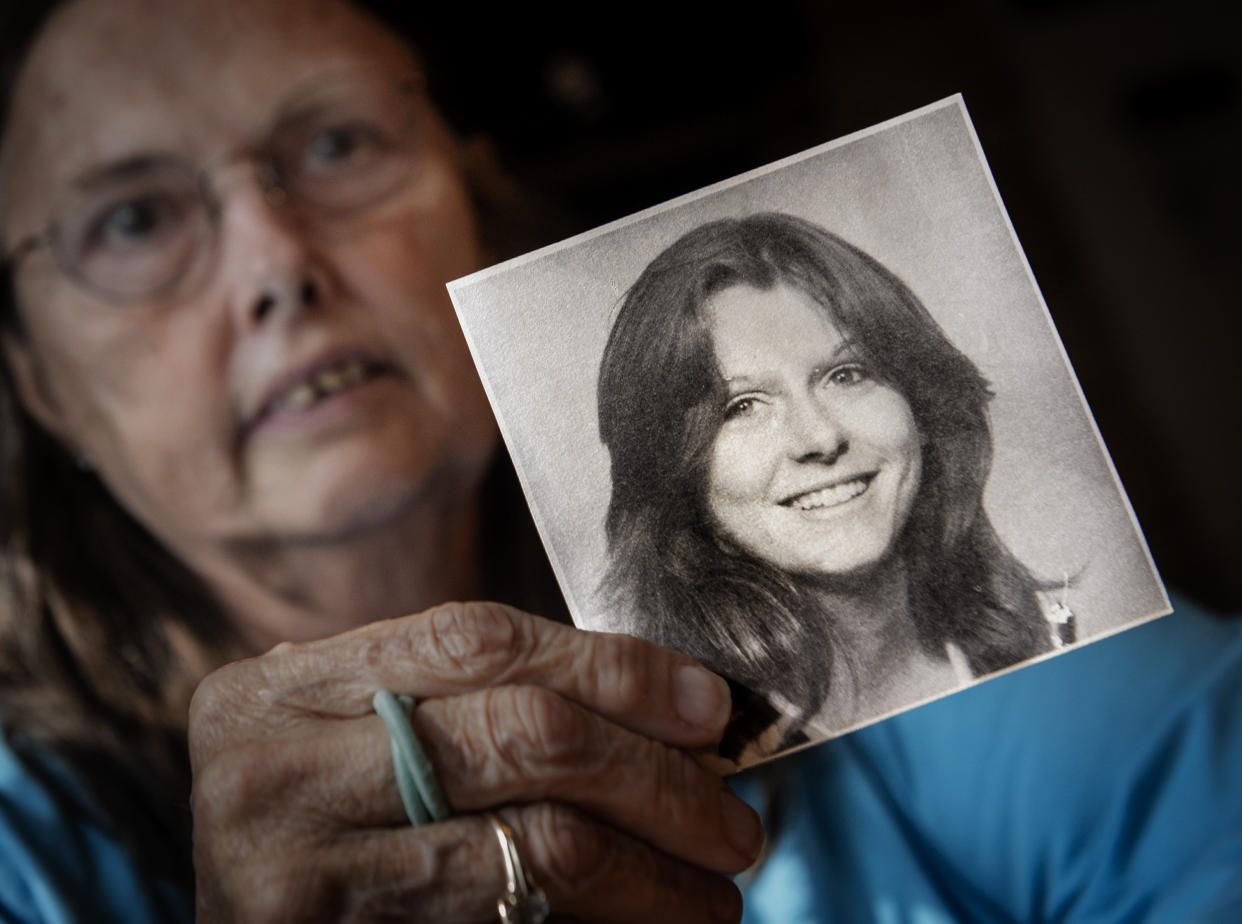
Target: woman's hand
575	737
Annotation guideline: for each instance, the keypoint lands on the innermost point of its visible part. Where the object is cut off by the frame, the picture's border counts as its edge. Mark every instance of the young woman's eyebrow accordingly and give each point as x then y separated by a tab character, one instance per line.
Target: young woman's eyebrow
737	384
847	349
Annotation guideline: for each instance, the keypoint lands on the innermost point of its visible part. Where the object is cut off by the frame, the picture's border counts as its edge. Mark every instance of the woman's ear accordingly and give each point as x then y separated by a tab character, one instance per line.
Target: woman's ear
30	381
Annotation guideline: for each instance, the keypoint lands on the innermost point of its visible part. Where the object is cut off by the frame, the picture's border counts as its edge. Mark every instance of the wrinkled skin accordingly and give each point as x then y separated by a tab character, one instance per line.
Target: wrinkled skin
578	735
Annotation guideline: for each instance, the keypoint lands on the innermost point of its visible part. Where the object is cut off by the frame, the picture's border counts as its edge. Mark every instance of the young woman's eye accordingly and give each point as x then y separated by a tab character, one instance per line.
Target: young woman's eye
848	374
740	407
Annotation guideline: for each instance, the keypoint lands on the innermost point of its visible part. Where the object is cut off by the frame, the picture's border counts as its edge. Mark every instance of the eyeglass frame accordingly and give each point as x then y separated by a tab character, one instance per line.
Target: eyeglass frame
274	186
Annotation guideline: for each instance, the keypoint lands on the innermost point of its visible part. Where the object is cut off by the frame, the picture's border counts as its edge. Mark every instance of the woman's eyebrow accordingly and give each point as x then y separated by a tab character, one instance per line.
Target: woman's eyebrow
126	168
847	345
299	109
323	95
848	348
739	383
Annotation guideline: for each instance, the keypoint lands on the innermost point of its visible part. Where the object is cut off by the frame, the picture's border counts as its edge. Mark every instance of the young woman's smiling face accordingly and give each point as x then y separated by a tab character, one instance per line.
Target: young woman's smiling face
817	463
313	382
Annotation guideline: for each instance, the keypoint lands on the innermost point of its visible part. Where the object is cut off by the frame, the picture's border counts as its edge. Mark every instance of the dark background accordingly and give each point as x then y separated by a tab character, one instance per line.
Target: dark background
1112	130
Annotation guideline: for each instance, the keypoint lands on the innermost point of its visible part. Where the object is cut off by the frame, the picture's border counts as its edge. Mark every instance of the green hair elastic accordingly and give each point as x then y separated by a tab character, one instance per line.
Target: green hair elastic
416	779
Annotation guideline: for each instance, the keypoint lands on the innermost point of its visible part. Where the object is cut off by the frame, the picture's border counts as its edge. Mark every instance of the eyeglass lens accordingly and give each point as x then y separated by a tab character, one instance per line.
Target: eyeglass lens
146	226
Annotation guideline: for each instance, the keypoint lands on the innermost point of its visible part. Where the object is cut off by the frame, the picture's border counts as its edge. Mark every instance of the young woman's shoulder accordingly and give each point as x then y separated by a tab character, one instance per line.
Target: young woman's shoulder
58	865
1100	785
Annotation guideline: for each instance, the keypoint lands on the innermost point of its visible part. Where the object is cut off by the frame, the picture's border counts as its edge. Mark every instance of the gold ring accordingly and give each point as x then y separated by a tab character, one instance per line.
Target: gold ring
523	901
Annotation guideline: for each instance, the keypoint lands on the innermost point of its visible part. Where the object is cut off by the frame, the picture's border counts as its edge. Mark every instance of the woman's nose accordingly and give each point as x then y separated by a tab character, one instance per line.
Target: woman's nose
814	433
275	266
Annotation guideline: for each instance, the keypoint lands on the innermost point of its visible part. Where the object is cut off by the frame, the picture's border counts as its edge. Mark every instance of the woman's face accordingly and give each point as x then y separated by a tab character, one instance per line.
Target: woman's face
817	463
316	383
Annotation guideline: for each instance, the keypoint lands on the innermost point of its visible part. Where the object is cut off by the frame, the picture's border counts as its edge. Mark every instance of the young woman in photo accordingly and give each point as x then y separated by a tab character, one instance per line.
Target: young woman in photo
798	463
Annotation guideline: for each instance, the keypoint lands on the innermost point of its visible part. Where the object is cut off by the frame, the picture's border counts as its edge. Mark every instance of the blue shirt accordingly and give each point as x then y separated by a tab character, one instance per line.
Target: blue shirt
1101	786
58	866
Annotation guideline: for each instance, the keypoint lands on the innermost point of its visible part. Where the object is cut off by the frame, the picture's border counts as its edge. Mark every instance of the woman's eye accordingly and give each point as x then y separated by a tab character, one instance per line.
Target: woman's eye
133	223
849	374
740	407
342	146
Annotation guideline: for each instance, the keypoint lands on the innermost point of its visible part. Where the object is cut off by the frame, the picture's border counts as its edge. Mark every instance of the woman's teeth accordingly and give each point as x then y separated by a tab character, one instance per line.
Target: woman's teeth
326	382
830	497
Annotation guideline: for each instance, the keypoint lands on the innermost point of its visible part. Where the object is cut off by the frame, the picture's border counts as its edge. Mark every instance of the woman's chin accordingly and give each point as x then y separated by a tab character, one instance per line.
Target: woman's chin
857	570
344	491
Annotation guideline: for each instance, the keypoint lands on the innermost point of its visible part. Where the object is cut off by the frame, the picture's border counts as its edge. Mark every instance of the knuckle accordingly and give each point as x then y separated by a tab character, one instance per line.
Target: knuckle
205	703
685	796
256	698
478	641
534	727
270	896
388	644
240	785
620	668
212	707
568	849
283	649
211	694
425	870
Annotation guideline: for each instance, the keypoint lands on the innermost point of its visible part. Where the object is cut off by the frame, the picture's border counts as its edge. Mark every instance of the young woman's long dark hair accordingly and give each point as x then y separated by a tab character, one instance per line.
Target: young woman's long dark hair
661	402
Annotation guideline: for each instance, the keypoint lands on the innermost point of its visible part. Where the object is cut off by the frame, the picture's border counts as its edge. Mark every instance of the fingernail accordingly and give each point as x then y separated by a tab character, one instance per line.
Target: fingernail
742	825
726	903
701	698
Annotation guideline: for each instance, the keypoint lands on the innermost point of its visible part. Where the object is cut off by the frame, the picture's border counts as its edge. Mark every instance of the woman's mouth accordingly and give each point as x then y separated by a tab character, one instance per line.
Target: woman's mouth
830	496
321	383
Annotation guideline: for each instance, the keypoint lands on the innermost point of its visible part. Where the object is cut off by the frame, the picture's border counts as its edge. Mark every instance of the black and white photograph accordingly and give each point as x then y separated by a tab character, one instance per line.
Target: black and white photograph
620	463
814	427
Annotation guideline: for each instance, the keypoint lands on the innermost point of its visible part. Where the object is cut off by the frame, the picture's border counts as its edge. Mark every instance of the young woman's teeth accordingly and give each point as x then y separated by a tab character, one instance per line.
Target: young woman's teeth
829	497
326	382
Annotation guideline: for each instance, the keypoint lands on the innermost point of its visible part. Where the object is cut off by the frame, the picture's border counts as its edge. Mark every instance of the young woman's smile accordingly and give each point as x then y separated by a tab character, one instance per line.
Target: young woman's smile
817	462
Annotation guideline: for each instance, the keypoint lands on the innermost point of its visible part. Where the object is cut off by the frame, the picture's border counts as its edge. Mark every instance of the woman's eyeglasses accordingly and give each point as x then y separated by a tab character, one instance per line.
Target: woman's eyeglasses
147	227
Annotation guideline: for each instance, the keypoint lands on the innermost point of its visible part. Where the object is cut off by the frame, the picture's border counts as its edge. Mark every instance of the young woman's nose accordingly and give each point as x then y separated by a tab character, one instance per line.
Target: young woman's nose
814	433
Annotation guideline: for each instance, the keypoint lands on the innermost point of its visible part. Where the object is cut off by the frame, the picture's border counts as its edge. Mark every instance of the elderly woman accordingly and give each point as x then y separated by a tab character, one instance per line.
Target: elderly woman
243	414
798	458
239	419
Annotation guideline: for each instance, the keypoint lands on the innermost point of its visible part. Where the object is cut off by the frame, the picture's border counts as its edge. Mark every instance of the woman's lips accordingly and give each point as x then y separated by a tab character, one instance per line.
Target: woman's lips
323	379
323	383
830	495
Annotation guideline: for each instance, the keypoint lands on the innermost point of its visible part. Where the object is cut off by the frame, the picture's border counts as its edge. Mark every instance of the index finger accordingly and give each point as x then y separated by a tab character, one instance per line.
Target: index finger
458	647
